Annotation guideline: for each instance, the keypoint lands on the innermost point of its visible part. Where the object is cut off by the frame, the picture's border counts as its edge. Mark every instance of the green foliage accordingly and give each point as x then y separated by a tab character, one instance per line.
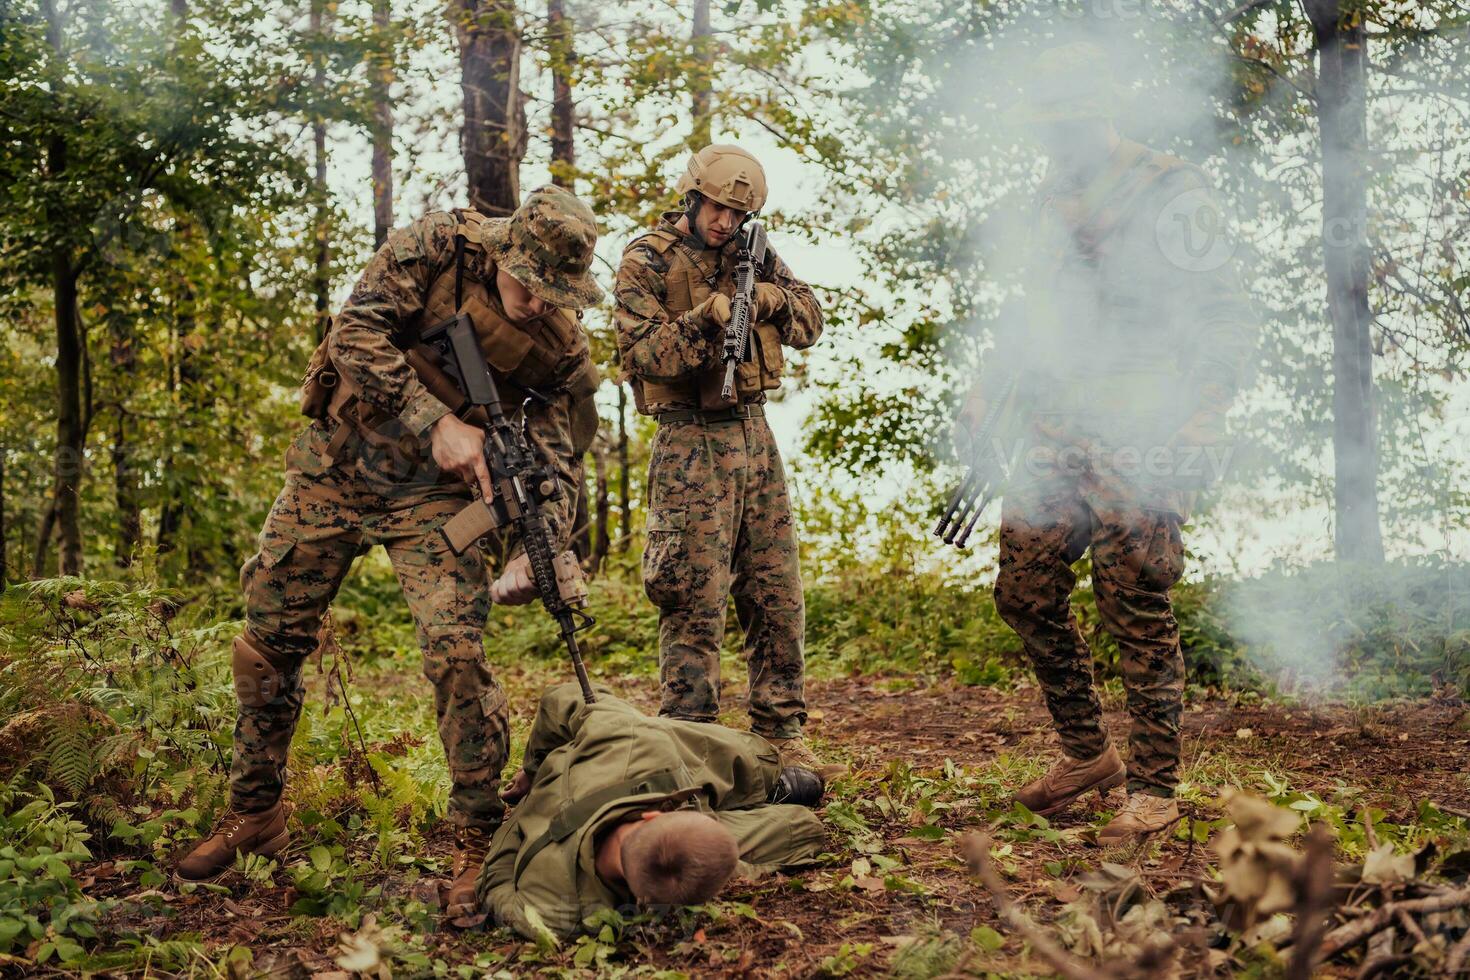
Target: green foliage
41	842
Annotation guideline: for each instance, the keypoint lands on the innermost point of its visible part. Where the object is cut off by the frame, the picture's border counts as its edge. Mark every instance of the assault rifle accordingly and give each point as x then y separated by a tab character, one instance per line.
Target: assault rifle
987	473
523	485
748	262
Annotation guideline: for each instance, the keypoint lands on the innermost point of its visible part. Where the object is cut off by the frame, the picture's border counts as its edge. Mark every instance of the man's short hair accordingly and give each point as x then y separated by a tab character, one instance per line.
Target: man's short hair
679	858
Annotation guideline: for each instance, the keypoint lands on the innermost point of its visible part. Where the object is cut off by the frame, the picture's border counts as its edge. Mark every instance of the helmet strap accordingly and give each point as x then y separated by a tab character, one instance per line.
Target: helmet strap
692	201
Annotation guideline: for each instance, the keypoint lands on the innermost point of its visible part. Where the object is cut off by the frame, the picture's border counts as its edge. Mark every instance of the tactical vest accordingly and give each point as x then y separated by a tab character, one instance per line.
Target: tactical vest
1109	334
550	354
687	285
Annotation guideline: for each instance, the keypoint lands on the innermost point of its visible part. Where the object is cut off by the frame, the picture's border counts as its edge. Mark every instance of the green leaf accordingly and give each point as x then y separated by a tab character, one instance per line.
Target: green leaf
987	938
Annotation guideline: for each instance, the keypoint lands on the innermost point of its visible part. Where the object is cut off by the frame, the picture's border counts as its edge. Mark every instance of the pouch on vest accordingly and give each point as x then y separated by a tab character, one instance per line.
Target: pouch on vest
320	380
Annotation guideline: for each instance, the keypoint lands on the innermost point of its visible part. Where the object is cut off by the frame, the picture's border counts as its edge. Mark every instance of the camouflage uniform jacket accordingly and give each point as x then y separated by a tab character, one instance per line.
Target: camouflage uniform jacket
664	274
1133	304
386	312
593	766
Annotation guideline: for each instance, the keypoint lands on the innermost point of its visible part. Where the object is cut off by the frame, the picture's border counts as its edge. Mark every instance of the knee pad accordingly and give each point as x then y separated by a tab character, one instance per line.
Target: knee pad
259	679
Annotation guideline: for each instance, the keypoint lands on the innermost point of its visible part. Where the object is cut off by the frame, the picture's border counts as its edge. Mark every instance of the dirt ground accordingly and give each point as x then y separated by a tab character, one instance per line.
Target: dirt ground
846	918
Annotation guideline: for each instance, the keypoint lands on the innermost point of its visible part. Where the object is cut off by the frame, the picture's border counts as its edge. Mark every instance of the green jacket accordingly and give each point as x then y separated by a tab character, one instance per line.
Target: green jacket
592	766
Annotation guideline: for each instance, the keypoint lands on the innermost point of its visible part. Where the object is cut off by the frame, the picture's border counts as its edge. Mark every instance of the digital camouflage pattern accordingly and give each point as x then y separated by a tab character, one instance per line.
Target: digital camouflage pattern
350	487
324	517
719	515
661	339
547	245
720	521
1137	556
1136	337
595	766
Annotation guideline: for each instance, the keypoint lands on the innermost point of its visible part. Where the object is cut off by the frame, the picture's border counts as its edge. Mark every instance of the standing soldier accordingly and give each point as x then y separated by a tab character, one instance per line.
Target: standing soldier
1136	337
387	460
719	519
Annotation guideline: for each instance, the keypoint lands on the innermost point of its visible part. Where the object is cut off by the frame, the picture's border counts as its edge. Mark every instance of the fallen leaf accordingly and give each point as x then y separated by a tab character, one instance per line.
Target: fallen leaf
868	883
1243	733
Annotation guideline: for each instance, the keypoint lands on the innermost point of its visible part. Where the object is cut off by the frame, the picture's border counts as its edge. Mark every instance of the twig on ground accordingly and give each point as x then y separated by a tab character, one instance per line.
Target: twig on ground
1358	930
1454	962
1313	902
976	850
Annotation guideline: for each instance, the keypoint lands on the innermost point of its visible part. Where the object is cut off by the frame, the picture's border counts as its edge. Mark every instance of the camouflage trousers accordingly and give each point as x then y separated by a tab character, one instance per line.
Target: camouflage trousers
325	516
720	522
1137	556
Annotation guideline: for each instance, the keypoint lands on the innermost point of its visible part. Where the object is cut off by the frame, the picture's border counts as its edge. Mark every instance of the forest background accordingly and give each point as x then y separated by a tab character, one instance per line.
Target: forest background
191	186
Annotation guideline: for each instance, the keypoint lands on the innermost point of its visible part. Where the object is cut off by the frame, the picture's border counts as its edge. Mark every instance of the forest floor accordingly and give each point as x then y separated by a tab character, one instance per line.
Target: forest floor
931	761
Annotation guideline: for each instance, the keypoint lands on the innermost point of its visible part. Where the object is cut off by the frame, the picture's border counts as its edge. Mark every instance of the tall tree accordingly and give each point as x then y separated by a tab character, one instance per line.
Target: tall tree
380	67
562	52
321	282
70	434
701	74
494	136
1342	119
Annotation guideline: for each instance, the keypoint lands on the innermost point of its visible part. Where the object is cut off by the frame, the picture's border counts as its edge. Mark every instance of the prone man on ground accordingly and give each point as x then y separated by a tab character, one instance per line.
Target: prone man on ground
719	518
614	808
387	460
1135	338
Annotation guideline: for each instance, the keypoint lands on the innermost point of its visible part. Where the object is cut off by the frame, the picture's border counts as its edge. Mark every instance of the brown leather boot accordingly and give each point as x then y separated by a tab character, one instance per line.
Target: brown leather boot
471	844
1071	779
795	752
262	833
1142	815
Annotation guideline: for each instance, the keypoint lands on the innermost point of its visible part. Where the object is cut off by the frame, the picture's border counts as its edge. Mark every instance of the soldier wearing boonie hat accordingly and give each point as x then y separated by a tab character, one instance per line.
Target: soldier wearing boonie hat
387	459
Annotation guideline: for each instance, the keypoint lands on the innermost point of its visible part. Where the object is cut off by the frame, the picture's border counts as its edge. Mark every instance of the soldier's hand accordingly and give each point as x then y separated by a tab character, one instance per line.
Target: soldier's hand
515	587
518	788
770	299
460	448
715	310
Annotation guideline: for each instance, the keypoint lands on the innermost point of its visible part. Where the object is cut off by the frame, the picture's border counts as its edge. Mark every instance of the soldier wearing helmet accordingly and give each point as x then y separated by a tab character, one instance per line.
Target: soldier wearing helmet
719	518
386	460
1136	336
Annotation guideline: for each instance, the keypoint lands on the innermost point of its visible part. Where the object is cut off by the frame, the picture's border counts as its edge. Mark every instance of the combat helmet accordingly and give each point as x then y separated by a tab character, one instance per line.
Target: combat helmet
1066	83
727	175
548	246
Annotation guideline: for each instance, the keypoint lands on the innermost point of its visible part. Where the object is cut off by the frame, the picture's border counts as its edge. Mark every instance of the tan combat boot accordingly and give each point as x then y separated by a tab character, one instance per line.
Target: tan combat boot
471	844
1071	779
262	833
795	752
1142	815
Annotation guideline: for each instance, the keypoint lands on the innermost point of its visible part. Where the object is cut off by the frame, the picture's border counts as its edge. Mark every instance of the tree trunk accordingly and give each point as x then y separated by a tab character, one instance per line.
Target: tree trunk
702	74
601	543
494	137
581	543
43	540
124	484
627	505
321	281
382	93
1342	118
4	551
560	35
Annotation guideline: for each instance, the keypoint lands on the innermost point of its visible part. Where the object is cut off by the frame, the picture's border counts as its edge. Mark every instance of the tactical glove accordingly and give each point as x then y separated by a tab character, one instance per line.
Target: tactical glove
770	299
715	311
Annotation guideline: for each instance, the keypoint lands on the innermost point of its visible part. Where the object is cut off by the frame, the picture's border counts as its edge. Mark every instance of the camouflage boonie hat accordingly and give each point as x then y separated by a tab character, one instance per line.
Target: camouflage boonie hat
547	246
1067	83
